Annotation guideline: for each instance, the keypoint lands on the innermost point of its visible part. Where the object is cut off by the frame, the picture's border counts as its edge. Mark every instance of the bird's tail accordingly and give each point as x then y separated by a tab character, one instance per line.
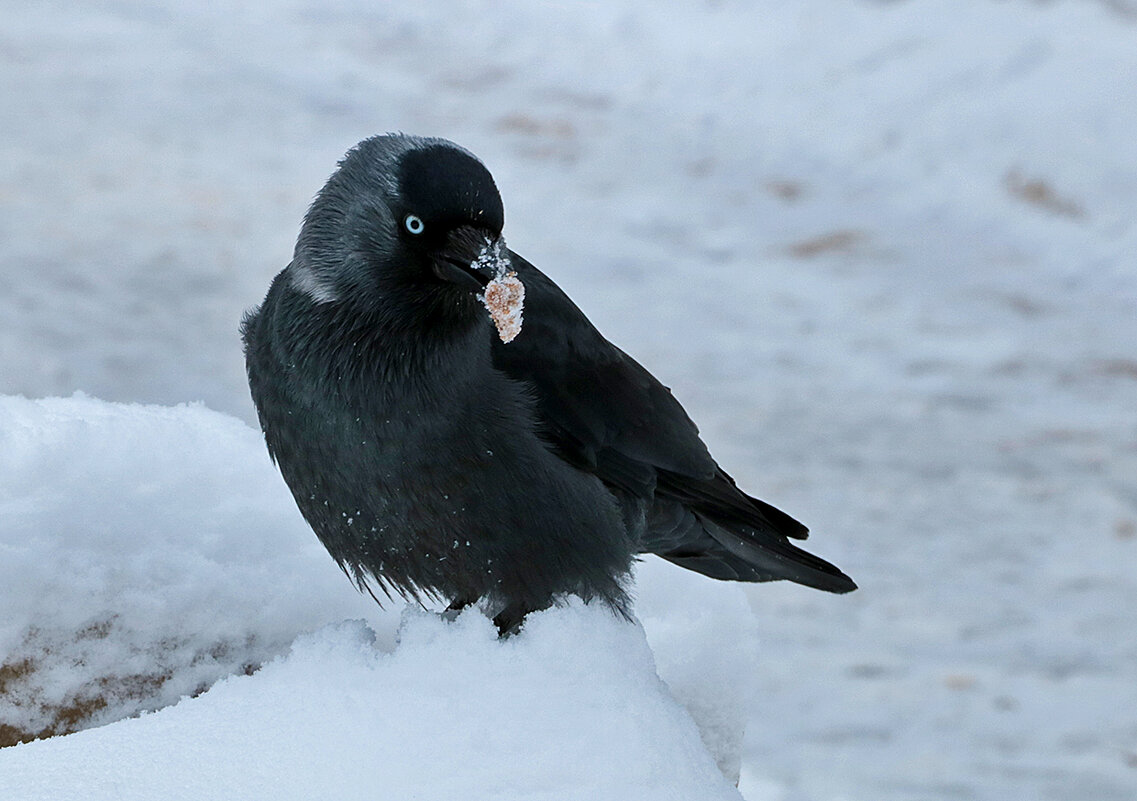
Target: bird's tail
732	550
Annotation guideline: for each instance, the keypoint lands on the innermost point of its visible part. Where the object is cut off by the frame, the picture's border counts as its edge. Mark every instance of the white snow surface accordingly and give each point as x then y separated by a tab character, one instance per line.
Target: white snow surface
882	251
150	551
570	709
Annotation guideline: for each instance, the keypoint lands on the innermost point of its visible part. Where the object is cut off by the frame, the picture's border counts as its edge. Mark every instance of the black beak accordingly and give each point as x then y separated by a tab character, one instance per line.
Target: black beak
470	257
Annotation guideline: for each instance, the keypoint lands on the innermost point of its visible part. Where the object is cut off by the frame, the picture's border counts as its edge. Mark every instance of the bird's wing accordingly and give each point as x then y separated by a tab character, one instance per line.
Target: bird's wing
601	408
605	413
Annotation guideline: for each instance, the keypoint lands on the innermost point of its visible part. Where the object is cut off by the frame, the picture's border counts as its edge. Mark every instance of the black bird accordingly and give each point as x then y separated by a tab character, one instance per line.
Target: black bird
432	457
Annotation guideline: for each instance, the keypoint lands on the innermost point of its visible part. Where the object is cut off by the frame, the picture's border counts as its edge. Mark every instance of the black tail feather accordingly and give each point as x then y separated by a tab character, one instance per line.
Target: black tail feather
733	551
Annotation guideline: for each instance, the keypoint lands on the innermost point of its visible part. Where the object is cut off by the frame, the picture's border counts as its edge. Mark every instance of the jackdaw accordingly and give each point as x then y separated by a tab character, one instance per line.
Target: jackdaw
451	425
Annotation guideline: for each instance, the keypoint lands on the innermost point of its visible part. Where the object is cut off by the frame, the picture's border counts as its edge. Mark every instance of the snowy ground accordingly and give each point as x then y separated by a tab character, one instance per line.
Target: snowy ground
883	252
150	552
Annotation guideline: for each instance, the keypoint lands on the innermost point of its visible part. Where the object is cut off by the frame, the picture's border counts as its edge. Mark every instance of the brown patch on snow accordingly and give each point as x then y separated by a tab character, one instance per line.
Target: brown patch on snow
844	240
1042	195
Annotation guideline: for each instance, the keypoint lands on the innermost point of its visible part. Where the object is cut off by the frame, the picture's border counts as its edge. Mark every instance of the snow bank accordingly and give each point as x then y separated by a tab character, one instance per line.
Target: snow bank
571	708
704	638
149	553
145	552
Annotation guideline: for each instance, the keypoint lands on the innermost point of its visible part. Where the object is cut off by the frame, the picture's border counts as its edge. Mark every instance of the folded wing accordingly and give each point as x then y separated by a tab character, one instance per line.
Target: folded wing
603	412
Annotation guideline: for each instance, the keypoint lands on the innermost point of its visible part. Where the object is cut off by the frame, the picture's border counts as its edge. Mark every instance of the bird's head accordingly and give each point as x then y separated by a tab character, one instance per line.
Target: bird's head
405	215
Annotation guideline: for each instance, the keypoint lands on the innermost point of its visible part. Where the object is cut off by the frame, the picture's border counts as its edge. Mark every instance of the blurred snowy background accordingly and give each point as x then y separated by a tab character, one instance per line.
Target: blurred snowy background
884	252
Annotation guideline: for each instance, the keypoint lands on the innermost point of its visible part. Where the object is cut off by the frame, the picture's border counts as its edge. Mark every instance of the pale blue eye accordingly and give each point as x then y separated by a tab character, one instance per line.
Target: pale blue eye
414	224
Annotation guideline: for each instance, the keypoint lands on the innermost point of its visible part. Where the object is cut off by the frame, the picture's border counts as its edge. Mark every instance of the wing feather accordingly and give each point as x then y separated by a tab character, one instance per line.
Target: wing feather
603	412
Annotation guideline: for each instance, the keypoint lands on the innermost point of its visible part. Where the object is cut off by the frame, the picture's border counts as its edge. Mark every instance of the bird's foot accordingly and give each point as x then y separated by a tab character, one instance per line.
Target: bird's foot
509	620
457	606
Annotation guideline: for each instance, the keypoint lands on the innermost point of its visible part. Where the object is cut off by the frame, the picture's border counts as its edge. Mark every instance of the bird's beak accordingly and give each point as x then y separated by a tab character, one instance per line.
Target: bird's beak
471	258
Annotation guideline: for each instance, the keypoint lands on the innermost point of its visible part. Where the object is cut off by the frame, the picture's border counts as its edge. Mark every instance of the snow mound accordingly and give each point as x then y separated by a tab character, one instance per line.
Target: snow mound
151	555
703	634
570	708
145	553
